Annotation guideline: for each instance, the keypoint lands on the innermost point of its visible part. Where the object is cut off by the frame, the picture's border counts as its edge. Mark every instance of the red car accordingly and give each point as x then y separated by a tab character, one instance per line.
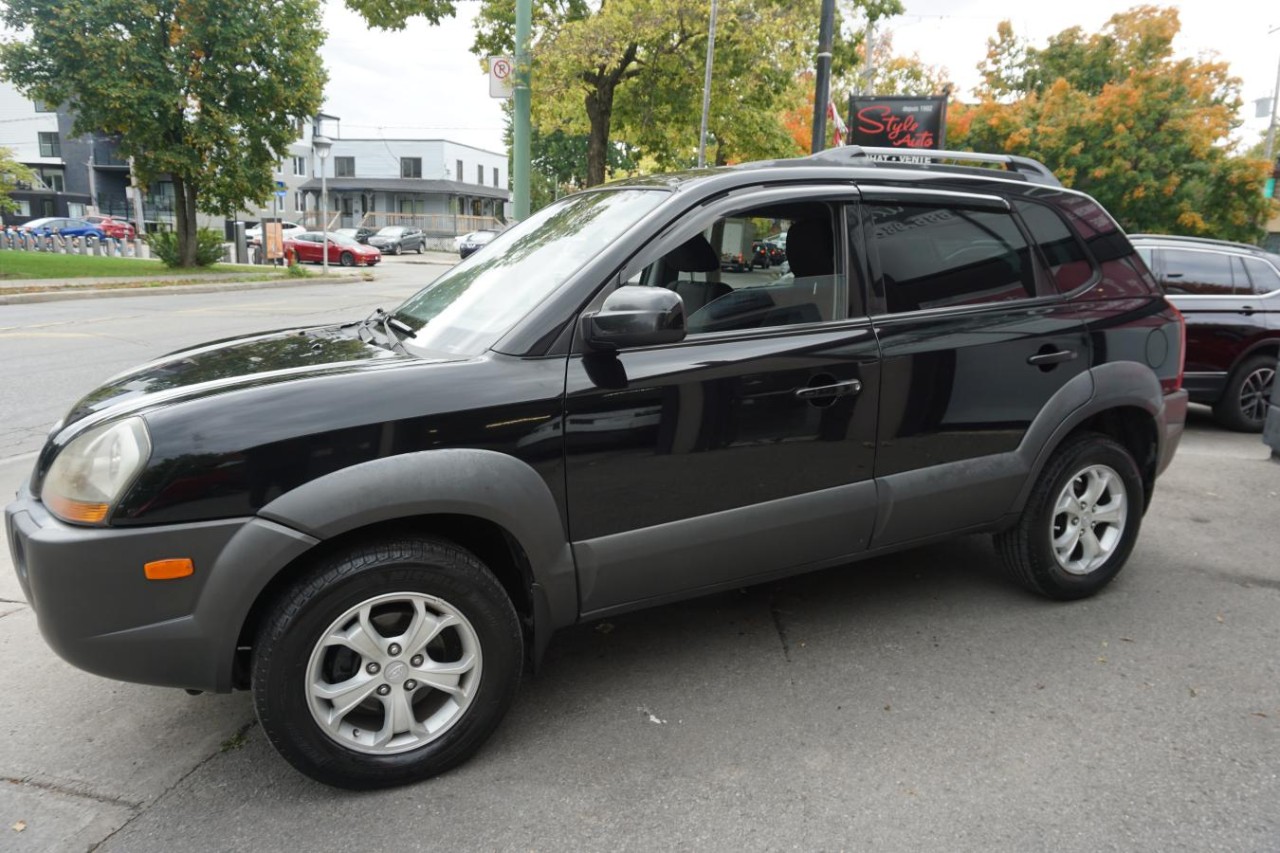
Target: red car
309	246
112	227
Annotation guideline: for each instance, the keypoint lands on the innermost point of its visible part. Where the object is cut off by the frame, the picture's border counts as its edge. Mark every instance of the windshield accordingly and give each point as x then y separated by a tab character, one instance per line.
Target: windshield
391	231
343	240
466	310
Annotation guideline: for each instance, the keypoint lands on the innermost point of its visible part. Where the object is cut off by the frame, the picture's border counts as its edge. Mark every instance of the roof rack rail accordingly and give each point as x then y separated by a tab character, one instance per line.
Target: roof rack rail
1205	240
1031	170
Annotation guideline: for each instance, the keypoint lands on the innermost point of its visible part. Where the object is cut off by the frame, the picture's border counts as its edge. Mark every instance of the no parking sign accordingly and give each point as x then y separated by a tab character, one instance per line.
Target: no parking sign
502	72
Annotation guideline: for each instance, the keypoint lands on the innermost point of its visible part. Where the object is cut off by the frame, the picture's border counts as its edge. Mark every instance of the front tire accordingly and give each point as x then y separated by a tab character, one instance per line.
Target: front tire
347	259
397	250
1080	522
390	663
1243	406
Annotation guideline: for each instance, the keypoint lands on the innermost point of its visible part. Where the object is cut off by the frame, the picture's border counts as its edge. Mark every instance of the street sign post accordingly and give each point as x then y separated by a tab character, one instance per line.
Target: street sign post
501	76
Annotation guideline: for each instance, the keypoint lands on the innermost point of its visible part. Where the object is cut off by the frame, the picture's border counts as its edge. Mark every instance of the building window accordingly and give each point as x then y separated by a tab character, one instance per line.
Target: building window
280	168
75	208
24	207
344	167
53	179
300	167
50	146
411	167
412	205
495	176
42	107
458	174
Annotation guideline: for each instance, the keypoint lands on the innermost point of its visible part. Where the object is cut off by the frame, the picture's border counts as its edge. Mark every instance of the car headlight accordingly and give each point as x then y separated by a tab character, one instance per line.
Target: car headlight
91	473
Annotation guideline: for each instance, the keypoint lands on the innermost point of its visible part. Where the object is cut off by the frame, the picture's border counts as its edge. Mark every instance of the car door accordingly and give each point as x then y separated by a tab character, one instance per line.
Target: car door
975	343
747	449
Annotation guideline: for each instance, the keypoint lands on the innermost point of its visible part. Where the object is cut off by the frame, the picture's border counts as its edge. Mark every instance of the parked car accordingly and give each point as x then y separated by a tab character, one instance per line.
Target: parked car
360	234
1230	296
395	239
289	229
475	241
309	247
585	419
759	255
120	229
62	226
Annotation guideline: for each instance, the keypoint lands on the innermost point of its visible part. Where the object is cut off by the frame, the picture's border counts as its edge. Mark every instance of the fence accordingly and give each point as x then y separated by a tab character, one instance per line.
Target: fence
433	224
22	241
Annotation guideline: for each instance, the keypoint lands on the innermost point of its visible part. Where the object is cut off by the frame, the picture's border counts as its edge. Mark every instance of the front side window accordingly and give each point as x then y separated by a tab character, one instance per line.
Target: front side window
411	167
940	256
1196	273
467	309
732	277
1263	275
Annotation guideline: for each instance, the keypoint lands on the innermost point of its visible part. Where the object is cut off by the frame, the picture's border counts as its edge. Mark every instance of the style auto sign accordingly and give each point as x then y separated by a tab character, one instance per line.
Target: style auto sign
894	122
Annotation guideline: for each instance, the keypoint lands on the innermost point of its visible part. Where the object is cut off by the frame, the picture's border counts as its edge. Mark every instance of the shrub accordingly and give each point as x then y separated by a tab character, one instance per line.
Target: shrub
164	245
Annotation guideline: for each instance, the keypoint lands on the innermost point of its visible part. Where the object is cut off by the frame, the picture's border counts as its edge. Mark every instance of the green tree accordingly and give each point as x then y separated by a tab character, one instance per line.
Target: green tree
1117	115
11	173
208	93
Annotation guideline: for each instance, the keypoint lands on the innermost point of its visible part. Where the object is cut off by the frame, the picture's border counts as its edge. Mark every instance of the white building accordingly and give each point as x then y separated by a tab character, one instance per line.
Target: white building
443	187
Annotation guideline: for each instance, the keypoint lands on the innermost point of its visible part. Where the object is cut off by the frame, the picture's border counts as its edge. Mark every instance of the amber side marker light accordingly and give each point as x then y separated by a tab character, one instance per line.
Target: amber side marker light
167	570
76	512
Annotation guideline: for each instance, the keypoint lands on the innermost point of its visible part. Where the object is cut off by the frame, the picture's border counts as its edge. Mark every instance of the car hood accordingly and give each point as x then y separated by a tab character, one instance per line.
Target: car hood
233	364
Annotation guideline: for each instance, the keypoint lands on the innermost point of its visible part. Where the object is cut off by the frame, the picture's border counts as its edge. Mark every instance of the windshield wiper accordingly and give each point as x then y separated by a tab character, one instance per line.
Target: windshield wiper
388	325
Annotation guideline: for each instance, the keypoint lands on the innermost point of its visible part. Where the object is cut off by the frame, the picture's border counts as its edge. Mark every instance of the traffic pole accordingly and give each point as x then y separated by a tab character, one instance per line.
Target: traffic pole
521	128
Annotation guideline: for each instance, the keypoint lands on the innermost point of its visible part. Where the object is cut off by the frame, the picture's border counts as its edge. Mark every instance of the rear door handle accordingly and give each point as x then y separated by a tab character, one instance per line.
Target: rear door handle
1052	357
837	389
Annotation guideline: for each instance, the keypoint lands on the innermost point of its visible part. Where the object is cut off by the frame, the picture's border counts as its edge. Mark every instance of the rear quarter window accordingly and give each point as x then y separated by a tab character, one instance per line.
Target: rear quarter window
1069	264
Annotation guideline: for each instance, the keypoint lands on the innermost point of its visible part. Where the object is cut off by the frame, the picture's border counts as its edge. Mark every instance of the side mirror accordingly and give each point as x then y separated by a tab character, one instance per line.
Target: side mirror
635	316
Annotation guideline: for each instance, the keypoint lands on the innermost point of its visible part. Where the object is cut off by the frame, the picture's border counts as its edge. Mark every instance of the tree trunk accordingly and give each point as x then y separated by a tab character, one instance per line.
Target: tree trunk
185	216
599	113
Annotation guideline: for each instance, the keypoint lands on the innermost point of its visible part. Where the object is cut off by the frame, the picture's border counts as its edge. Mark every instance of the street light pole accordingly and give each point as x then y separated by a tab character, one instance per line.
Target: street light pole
321	145
706	87
822	79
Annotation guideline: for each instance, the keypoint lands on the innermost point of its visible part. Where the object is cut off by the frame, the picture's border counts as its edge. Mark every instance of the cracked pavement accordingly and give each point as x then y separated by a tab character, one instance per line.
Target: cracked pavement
913	702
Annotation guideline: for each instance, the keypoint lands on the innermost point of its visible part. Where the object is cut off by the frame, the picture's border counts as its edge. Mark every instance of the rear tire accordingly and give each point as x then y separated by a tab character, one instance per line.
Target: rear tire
1080	522
390	663
1243	406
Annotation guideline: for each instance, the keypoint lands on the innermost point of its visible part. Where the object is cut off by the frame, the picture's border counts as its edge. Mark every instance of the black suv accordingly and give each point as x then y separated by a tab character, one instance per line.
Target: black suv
374	525
1230	296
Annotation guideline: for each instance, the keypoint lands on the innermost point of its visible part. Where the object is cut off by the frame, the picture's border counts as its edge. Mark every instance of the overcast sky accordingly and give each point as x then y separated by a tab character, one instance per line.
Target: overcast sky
425	83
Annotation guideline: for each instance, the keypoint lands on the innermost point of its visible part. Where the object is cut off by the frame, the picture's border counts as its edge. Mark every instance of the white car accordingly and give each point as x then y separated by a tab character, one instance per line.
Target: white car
290	229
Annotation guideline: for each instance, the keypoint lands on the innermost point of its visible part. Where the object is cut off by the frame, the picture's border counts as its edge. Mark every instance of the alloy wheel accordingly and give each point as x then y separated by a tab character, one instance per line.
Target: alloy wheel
1088	519
393	673
1255	391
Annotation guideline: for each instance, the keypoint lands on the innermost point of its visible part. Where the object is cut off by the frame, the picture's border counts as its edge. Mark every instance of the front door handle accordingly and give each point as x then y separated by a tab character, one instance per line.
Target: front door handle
1056	357
1246	310
836	389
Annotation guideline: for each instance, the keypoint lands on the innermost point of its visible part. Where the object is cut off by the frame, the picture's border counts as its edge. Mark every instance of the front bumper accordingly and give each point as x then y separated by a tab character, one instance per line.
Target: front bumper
97	610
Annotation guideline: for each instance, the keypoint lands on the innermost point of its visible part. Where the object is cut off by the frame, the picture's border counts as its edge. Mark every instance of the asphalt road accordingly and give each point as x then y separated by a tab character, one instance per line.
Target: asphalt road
916	702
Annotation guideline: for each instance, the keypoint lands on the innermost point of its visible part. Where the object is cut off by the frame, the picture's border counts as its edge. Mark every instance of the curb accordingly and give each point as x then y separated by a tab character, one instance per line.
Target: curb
161	290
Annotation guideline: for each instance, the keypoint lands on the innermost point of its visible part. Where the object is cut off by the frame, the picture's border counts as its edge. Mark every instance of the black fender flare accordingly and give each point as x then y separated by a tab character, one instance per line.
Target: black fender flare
483	484
1107	386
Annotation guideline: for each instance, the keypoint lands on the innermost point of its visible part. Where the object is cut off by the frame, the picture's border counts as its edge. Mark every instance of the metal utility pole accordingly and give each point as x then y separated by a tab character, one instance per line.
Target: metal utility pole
521	128
706	88
868	73
822	82
1275	96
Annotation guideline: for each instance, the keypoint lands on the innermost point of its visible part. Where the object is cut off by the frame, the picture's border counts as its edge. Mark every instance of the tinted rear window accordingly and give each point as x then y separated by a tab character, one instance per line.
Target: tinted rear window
1065	255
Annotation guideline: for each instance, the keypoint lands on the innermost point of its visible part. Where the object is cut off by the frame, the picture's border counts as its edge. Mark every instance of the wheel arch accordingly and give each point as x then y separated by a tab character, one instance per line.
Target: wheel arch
1124	403
492	504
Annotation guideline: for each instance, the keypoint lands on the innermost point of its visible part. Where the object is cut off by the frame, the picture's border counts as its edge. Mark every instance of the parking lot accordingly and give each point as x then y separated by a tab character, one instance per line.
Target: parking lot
917	701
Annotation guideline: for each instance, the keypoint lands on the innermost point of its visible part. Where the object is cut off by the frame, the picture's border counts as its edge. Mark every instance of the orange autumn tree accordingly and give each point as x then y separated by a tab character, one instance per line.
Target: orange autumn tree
1116	115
